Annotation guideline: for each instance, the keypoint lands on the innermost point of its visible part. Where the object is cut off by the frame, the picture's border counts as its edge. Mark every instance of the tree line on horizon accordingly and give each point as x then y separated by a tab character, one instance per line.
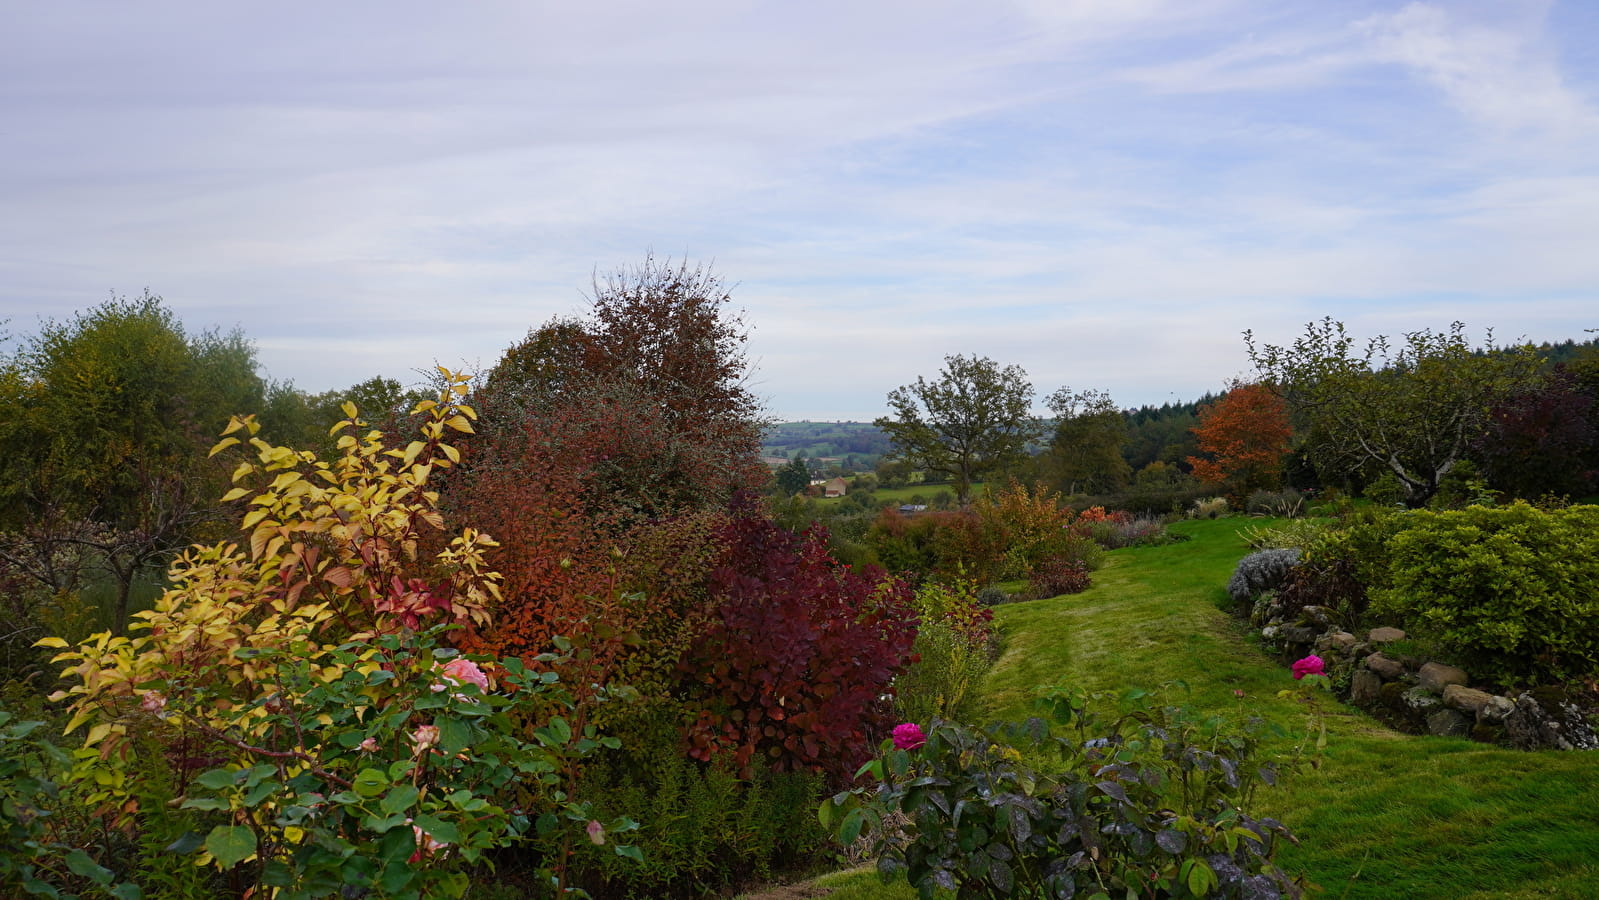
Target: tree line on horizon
109	413
1420	417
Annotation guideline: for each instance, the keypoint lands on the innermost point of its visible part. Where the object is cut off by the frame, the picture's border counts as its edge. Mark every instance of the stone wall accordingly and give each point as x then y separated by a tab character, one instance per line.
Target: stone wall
1419	694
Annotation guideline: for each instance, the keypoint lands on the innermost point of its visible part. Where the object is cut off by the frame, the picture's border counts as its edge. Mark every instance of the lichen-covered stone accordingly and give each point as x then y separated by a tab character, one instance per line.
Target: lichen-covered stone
1495	710
1318	617
1393	695
1385	635
1448	723
1559	726
1298	634
1420	702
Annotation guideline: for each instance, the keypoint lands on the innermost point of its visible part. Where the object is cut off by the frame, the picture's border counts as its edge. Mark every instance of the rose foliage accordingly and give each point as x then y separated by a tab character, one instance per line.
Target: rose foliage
1151	803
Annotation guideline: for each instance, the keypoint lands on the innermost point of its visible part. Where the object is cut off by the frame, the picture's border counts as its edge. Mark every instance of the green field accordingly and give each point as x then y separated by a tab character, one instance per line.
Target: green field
1387	816
883	496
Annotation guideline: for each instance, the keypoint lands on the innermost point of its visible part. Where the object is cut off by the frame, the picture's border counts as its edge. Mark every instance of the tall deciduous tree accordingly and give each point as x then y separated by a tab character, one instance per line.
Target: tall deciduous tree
1543	440
1245	436
1412	407
794	477
975	418
646	395
102	448
1086	453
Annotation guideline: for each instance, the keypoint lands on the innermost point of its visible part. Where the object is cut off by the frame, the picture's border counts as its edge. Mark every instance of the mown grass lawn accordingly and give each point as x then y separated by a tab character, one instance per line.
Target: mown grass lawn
1386	816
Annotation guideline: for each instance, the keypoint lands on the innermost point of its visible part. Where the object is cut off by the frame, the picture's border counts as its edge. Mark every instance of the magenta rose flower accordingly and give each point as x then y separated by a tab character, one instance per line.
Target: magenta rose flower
908	736
1310	665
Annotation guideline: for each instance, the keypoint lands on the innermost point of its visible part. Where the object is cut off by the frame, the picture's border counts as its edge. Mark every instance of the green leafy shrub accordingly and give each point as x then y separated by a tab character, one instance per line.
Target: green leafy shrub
954	647
32	859
1339	563
1510	589
1151	803
702	828
1386	490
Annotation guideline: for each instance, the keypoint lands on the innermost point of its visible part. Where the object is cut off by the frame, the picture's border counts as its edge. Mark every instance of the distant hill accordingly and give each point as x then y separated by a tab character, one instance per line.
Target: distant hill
860	443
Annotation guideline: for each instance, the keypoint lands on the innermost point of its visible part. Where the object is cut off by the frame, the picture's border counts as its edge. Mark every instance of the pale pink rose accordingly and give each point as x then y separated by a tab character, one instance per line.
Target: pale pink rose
596	832
465	671
424	736
370	745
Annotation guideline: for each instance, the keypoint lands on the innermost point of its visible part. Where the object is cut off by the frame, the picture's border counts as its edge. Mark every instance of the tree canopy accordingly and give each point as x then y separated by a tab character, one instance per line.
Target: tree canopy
1412	407
1245	436
103	445
643	399
1086	453
973	419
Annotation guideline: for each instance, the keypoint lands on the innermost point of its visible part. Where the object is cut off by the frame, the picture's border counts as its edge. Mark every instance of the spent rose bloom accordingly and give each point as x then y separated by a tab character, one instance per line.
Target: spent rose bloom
370	745
425	845
1310	665
908	736
153	701
596	832
424	737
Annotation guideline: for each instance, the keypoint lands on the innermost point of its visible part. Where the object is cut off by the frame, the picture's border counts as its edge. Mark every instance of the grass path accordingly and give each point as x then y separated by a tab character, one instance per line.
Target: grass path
1387	816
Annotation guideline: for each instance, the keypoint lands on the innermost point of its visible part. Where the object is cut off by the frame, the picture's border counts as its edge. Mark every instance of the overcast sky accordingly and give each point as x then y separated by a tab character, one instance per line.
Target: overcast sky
1106	192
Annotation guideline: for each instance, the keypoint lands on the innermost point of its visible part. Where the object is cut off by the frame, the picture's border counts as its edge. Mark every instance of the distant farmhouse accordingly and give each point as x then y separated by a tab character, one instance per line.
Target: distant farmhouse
829	487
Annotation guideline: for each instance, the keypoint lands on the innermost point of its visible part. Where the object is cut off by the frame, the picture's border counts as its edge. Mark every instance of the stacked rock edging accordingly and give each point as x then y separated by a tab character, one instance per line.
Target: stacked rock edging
1422	695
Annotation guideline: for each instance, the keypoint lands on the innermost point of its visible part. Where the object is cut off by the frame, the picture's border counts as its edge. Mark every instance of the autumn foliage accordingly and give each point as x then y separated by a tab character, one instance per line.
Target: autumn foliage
794	670
607	463
1245	436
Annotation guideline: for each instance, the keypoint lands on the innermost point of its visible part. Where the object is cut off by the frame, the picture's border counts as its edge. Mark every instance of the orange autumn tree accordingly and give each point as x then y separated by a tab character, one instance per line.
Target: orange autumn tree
1245	436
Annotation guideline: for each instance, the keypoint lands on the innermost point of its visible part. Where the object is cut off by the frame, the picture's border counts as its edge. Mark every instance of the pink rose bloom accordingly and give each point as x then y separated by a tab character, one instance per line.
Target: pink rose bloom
424	737
908	736
1310	665
465	671
596	832
370	745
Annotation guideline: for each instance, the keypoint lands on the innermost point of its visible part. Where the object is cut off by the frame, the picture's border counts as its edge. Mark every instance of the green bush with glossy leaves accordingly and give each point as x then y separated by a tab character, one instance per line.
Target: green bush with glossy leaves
1510	591
1152	802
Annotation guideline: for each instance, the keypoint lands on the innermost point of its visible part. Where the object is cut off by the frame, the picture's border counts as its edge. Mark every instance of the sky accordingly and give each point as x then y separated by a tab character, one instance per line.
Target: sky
1106	193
